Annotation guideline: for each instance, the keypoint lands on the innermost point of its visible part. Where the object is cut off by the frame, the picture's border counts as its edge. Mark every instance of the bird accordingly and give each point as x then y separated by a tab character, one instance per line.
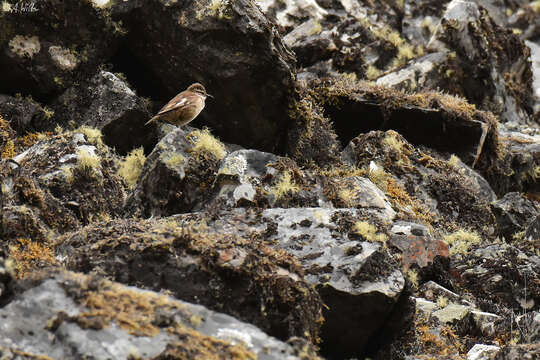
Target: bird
184	107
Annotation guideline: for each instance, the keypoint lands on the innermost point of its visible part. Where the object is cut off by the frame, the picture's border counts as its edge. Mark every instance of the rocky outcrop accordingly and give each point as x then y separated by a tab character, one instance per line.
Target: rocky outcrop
364	183
229	46
90	316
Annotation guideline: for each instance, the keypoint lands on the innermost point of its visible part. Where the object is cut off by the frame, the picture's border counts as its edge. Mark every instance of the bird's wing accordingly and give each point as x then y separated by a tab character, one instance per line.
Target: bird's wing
176	102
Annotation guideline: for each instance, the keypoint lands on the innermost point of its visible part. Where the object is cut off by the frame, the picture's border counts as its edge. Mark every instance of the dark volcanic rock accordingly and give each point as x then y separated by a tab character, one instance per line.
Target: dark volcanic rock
60	183
230	47
494	70
51	44
90	317
241	276
428	189
514	213
107	103
178	175
24	114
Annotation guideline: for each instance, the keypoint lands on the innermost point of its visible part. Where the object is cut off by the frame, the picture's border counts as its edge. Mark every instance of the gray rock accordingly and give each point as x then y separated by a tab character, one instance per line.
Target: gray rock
518	352
514	213
50	318
533	231
482	352
176	176
356	279
24	114
240	173
61	182
107	103
462	26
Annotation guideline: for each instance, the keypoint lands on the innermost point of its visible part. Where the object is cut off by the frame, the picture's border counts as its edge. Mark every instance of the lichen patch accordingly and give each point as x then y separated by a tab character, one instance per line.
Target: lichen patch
25	46
63	58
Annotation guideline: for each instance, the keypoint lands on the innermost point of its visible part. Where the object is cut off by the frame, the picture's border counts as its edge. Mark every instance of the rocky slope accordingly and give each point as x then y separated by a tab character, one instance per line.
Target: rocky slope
365	183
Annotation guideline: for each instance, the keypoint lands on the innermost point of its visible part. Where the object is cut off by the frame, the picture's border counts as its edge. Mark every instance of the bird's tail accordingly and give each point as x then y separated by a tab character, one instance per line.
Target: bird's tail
151	120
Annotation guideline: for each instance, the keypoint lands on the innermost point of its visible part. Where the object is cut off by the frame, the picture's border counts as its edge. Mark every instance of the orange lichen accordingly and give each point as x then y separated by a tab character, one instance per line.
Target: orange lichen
29	255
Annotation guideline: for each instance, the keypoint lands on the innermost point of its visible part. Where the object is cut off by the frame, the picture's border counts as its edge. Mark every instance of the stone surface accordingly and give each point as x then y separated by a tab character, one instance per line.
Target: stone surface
228	46
107	103
65	315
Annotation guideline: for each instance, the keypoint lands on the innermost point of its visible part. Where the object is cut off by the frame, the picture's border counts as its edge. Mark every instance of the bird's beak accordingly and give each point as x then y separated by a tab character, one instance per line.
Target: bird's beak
209	96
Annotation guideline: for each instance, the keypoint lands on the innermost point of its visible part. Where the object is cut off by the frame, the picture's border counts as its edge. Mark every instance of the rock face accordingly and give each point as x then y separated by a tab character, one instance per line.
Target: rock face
230	47
363	184
49	45
89	316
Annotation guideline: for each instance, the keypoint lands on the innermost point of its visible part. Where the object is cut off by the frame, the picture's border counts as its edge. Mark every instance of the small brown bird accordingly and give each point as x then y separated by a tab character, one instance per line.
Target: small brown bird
184	107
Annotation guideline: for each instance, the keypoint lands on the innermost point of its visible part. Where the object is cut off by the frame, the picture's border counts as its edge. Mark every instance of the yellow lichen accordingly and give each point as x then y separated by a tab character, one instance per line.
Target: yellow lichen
175	161
461	240
442	302
131	166
93	135
391	141
284	186
87	161
205	144
453	161
412	276
379	177
372	72
369	232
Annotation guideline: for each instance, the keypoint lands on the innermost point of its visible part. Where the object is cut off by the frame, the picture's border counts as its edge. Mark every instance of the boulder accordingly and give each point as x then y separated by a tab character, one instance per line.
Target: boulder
50	45
88	316
228	46
106	102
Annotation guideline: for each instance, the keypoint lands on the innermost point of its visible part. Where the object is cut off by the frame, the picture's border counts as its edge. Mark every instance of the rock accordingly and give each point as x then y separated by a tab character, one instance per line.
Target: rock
53	45
533	231
311	138
460	129
514	213
24	115
498	79
482	352
178	174
520	162
419	192
421	18
529	326
433	291
91	317
240	173
356	278
230	47
330	38
501	275
521	352
416	244
237	275
451	312
535	68
59	183
107	103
